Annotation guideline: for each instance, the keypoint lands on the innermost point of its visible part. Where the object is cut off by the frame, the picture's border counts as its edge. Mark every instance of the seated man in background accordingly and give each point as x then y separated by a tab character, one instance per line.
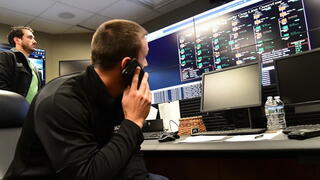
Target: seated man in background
17	73
88	125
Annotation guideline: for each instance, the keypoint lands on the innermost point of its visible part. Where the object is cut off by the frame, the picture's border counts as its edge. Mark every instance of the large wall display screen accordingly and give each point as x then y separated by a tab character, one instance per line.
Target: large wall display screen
238	32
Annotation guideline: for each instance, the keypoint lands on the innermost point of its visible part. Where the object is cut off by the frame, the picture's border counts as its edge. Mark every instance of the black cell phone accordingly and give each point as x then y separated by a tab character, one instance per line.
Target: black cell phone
128	72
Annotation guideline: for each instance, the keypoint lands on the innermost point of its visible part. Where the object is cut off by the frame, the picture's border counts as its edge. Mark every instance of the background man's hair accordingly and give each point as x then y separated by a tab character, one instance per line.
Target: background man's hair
17	31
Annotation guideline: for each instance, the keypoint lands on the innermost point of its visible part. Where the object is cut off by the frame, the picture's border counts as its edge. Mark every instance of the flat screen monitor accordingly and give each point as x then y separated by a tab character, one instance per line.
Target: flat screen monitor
232	88
235	33
38	58
298	78
4	47
72	66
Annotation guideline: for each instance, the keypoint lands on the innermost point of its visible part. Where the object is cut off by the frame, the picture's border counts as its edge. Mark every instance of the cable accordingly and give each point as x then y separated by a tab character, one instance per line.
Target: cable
174	123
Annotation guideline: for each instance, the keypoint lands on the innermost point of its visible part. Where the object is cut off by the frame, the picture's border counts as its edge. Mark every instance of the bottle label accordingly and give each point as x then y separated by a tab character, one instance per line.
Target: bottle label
279	109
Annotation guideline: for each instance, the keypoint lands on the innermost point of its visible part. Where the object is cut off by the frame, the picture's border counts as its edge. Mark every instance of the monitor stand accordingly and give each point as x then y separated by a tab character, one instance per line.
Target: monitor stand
249	118
240	118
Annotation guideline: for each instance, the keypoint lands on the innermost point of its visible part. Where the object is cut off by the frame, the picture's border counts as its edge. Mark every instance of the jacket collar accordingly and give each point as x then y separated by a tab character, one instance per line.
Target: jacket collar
16	51
98	89
100	96
21	58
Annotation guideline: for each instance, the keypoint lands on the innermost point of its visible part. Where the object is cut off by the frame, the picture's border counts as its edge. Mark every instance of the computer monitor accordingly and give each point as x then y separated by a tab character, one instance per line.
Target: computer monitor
297	78
232	88
72	66
4	47
38	58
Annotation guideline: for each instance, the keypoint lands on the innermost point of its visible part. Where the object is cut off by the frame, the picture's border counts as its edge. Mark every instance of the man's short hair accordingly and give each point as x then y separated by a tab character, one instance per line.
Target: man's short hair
114	40
17	31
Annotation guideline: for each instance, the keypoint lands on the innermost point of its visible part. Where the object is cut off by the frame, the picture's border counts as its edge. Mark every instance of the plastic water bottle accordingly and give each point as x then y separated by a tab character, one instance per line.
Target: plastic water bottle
269	108
279	114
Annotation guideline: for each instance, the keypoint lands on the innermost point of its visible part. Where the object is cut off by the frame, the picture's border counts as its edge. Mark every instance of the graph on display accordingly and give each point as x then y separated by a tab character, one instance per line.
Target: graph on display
238	32
266	32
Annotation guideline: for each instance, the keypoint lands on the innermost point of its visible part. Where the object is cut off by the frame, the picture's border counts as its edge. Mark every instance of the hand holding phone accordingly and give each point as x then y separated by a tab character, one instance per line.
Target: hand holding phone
128	72
136	101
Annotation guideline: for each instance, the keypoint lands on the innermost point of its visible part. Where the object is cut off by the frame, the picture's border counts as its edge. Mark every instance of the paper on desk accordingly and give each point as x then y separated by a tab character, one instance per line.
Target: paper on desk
170	112
194	139
253	137
152	114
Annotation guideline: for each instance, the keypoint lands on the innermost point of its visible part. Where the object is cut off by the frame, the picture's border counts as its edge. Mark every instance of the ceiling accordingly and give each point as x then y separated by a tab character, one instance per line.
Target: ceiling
80	16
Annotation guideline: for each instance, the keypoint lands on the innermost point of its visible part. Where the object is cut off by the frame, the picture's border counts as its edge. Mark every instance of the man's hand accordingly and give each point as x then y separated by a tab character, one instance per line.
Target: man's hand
136	102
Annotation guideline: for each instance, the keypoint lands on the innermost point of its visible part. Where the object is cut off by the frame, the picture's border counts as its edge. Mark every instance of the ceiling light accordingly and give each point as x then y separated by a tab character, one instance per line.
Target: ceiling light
154	4
66	15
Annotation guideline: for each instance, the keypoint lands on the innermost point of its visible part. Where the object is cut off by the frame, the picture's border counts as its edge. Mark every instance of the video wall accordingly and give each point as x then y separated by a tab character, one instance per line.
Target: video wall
237	32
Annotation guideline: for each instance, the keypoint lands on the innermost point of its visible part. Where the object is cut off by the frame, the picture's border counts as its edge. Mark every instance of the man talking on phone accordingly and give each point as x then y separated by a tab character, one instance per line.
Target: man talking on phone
88	125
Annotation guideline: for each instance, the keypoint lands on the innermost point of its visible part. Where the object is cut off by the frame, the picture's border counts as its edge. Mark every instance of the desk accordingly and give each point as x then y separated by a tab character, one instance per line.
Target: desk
279	158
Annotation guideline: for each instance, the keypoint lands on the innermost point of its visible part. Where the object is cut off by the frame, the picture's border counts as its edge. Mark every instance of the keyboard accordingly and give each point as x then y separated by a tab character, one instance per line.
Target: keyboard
152	135
240	131
300	127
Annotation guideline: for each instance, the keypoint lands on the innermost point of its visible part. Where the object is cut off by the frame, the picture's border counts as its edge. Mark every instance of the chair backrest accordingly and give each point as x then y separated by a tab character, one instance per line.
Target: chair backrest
13	110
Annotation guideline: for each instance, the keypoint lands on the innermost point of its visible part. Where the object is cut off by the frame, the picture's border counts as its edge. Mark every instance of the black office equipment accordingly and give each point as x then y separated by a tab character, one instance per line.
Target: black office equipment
304	134
5	47
297	77
239	131
152	129
232	88
72	66
152	135
169	136
301	127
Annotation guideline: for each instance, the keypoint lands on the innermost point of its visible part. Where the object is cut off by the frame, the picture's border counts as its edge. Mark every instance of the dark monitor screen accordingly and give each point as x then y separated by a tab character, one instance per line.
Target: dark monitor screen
72	66
232	88
298	77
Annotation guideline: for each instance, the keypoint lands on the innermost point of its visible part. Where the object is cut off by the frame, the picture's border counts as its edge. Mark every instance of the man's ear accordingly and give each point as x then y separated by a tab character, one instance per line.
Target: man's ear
124	62
16	40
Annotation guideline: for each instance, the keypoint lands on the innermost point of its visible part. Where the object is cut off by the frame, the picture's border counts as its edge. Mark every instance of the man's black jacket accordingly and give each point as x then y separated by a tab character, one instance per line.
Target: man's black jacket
69	134
15	73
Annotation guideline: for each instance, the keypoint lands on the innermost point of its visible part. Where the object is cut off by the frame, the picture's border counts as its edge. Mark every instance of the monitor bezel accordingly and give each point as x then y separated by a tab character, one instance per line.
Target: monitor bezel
230	68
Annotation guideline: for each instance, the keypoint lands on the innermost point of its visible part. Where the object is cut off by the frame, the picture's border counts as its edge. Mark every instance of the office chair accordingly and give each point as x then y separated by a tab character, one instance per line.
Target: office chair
13	110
